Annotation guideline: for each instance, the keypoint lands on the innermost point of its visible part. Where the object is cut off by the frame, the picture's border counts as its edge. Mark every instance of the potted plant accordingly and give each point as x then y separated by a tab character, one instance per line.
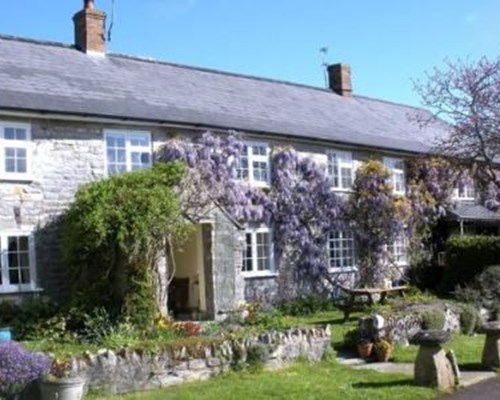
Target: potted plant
364	347
383	349
18	368
60	383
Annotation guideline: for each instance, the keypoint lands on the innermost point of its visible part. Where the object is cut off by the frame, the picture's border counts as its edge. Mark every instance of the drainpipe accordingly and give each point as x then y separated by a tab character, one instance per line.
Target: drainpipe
461	227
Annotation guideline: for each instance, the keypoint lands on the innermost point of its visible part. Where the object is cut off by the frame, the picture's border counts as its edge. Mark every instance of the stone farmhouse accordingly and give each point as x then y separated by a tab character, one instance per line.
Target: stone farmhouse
71	114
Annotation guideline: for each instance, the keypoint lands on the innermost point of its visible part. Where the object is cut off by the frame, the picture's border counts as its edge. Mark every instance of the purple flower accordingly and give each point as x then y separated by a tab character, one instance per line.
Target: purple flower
19	367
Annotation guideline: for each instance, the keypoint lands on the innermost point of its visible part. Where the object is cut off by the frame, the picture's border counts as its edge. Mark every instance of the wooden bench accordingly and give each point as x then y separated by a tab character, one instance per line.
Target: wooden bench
369	292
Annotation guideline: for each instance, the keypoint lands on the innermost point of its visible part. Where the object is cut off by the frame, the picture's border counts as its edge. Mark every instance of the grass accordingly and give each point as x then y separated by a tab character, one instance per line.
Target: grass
325	380
468	350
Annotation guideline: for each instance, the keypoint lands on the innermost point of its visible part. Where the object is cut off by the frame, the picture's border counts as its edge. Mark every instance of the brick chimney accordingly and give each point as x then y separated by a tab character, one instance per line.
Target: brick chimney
339	79
89	29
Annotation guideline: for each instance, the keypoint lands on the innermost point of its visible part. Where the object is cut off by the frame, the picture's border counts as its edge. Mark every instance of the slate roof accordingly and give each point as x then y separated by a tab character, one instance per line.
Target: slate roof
51	77
473	212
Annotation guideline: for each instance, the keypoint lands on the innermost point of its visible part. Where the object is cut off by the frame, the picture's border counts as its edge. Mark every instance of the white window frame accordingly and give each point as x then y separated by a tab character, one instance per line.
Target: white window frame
468	193
351	268
390	163
400	242
343	159
255	272
19	144
7	288
128	148
258	158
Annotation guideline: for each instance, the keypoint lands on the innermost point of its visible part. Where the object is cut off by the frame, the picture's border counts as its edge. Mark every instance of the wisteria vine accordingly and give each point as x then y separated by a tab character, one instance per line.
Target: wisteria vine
302	208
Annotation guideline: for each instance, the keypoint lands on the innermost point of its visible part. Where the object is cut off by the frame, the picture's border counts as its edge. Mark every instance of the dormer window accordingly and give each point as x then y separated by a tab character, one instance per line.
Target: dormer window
254	164
15	152
340	169
465	191
397	170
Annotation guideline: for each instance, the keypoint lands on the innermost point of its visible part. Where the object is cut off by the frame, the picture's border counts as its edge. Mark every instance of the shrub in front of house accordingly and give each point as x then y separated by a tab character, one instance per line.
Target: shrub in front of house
306	305
467	257
483	291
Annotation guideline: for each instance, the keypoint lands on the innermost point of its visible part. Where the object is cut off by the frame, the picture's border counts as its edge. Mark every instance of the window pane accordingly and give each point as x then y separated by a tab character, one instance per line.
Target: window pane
18	259
139	140
25	275
247	253
15	134
259	150
10	165
14	276
24	260
346	177
9	134
341	248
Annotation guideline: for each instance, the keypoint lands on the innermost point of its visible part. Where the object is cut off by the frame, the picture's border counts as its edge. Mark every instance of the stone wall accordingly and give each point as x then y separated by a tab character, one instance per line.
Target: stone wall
266	287
401	326
132	370
223	259
64	156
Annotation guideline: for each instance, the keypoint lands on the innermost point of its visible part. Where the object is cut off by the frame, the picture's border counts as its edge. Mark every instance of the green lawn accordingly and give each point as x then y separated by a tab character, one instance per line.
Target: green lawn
468	350
325	380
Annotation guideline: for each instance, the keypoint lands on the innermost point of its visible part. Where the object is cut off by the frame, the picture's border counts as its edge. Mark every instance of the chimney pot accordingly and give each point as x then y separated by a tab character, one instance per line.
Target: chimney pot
339	79
89	29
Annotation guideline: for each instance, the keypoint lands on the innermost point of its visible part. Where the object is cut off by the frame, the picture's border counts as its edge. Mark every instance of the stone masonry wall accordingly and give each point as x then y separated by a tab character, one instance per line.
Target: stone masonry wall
131	370
65	155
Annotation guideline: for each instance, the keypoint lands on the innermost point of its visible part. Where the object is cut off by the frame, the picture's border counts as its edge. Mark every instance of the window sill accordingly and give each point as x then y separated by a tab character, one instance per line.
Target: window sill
14	291
17	178
262	274
342	270
342	190
254	184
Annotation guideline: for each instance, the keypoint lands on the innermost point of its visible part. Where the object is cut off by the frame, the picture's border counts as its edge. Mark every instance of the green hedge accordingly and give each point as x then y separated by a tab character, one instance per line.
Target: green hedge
467	257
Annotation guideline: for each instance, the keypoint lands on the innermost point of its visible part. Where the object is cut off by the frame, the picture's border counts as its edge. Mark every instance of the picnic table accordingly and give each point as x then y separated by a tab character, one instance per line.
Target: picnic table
369	293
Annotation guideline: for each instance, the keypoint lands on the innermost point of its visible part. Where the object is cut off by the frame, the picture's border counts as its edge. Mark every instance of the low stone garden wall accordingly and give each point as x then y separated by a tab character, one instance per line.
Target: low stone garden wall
401	326
132	370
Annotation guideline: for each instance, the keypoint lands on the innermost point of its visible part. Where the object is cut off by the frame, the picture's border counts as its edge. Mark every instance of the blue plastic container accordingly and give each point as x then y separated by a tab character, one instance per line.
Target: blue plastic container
5	335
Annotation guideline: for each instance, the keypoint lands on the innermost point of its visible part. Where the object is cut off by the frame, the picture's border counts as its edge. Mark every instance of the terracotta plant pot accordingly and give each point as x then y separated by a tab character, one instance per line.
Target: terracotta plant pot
383	355
365	349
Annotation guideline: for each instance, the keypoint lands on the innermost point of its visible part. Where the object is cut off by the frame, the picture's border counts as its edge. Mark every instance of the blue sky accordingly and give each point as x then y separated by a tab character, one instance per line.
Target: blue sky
387	42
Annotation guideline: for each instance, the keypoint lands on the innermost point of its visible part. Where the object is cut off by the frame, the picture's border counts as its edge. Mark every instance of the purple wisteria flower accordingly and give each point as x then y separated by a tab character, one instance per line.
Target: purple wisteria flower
19	367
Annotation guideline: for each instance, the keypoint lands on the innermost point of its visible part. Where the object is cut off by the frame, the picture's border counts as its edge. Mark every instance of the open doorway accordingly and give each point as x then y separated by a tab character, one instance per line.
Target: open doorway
187	292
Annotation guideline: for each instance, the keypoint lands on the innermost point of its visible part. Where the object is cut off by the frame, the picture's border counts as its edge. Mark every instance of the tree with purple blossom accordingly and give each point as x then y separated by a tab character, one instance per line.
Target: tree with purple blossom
299	205
305	210
19	367
378	217
467	96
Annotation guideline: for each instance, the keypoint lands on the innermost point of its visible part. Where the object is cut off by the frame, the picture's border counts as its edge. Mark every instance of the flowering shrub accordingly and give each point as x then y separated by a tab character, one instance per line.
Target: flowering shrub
378	217
305	210
19	367
301	207
300	221
183	328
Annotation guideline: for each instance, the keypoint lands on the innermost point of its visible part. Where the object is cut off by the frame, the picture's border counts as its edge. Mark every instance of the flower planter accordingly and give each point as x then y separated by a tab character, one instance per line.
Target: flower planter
62	389
383	355
5	334
364	349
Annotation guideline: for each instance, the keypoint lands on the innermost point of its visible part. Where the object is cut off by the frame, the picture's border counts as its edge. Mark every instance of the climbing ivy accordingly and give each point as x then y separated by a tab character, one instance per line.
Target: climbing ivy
113	234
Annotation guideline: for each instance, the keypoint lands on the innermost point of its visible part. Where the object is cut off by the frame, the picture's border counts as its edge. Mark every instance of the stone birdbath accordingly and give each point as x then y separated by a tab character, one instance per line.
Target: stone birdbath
432	366
491	349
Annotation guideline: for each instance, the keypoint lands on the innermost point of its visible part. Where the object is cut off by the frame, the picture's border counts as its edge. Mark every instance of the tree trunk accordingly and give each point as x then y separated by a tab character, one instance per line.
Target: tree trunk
162	282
